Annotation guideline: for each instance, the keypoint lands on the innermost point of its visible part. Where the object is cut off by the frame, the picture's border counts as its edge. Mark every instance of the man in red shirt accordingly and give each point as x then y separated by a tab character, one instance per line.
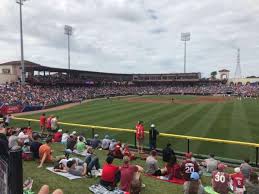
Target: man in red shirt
220	180
238	180
140	136
57	136
110	174
43	123
189	166
128	173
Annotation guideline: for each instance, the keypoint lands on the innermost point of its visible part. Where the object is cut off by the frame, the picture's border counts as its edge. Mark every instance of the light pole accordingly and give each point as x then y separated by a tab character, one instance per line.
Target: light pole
20	2
68	32
186	36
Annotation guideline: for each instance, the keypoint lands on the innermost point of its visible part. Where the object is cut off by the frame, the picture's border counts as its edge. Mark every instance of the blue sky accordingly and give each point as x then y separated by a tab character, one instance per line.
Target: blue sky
135	36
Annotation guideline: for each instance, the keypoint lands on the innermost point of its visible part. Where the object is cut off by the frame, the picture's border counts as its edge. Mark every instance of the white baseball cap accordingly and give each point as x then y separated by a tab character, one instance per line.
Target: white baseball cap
74	132
60	130
153	125
237	170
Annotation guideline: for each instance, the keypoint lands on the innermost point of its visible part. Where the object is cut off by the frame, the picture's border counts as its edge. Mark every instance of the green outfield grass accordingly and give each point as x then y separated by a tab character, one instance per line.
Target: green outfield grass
231	120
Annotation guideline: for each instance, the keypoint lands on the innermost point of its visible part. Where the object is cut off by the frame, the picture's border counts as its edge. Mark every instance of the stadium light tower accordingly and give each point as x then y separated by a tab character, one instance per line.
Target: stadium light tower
185	36
20	2
68	32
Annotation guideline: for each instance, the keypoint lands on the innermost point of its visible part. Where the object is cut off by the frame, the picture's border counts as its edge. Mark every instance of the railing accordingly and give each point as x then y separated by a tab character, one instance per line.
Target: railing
3	175
188	139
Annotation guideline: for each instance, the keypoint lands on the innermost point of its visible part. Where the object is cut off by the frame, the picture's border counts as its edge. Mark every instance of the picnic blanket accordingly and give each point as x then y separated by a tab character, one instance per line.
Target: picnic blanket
165	179
210	190
64	174
99	189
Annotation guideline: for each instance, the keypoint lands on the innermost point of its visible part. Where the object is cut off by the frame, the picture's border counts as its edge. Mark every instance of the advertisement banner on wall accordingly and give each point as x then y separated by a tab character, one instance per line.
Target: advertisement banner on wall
10	109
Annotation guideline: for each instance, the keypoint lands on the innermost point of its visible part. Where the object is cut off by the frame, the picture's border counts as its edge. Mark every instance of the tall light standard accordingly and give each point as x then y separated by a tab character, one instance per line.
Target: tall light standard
68	32
20	2
186	36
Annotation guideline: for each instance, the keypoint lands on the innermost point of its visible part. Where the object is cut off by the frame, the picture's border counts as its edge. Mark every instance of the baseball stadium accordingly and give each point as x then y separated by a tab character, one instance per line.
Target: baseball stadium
77	130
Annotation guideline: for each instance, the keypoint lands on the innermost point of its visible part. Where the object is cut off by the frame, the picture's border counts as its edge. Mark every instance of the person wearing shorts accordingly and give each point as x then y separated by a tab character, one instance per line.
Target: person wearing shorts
140	136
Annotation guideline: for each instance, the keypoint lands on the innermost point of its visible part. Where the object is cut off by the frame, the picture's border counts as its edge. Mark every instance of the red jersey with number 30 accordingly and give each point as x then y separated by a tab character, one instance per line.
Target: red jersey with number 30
220	182
139	131
238	180
188	167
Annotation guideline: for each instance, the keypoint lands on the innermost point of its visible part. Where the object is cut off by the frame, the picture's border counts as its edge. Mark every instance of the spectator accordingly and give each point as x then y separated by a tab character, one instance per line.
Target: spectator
22	137
211	163
58	136
35	146
64	138
110	174
140	136
112	145
220	180
194	185
45	153
128	173
3	143
7	120
153	133
246	169
13	141
173	169
54	124
43	123
117	152
127	152
80	146
92	161
76	170
106	142
189	166
168	152
95	142
252	185
152	164
238	181
45	190
71	141
26	150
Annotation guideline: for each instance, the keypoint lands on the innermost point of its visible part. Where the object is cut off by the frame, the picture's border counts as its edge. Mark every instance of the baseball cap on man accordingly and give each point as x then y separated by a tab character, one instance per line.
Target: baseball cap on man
195	176
153	126
237	170
221	166
60	130
73	133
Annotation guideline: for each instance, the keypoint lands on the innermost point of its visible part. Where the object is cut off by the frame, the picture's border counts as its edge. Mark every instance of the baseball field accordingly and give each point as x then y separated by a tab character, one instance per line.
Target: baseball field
203	116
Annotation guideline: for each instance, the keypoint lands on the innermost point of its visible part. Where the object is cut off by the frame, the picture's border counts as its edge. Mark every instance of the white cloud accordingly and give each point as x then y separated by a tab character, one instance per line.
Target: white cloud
134	35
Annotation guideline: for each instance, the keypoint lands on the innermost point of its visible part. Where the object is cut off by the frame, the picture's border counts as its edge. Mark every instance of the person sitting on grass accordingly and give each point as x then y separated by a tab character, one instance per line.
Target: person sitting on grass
110	174
246	168
211	163
238	182
172	169
71	141
252	185
117	152
220	180
76	170
45	153
127	152
188	166
96	142
80	146
92	161
152	165
106	142
13	140
64	137
57	136
168	152
45	190
22	136
128	173
26	150
35	145
194	185
112	145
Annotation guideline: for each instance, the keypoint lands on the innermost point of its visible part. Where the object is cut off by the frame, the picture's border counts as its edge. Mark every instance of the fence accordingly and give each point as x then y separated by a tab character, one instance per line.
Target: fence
189	142
11	173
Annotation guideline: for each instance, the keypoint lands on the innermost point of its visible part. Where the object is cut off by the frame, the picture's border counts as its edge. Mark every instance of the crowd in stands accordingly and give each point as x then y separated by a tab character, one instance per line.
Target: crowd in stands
32	95
187	171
